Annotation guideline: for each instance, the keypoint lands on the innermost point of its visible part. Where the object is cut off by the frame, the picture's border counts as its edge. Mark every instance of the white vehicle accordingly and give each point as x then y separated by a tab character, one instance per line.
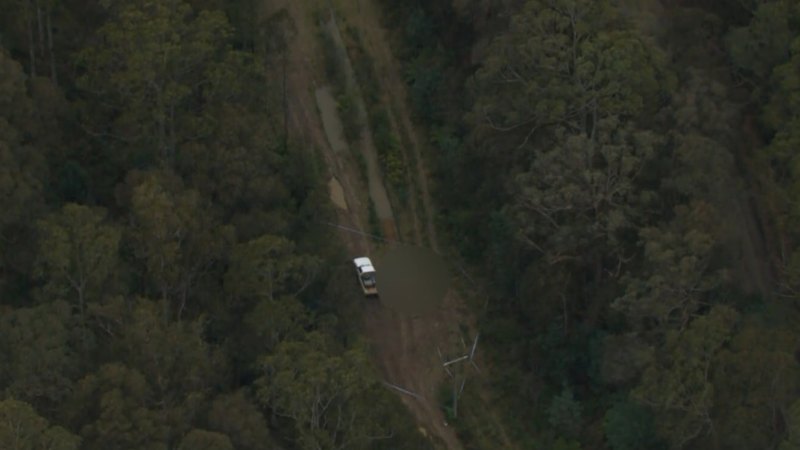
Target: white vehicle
366	276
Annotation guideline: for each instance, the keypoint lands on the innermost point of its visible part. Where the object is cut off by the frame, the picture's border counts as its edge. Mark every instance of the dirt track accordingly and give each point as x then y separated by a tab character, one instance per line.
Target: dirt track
404	347
365	14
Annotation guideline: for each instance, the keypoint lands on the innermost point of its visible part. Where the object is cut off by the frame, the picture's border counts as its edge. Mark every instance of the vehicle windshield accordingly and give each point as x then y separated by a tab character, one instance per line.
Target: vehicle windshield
369	279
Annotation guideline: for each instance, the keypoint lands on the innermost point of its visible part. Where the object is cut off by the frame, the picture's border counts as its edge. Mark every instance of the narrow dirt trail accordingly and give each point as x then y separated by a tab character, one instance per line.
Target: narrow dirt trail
377	191
759	262
366	15
404	347
304	75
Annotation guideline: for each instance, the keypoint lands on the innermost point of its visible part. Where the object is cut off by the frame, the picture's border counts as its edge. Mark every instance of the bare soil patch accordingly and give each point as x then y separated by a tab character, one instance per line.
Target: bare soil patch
337	194
414	280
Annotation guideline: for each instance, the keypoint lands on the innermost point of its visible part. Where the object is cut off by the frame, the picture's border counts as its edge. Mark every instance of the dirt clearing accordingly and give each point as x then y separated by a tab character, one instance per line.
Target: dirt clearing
414	280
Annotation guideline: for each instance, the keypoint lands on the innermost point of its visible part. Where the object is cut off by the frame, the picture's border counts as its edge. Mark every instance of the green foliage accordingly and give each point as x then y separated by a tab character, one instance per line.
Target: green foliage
561	353
348	111
418	30
565	413
326	393
345	99
597	182
425	81
152	401
429	40
767	49
375	227
764	42
206	440
582	195
113	408
677	271
176	234
389	152
785	100
146	85
564	444
792	442
623	358
243	172
272	321
629	426
19	189
754	376
16	103
703	168
387	145
474	426
73	182
236	416
21	428
563	63
679	385
173	356
363	68
444	398
78	254
268	267
333	66
362	166
37	347
622	158
189	195
704	106
780	109
21	171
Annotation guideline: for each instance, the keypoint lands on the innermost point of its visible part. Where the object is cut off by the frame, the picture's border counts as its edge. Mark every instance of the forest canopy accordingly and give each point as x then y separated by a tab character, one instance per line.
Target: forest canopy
621	176
161	283
624	174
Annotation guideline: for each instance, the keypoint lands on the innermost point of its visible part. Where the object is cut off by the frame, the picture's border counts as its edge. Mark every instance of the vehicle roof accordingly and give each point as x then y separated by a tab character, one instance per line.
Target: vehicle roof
362	261
367	268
